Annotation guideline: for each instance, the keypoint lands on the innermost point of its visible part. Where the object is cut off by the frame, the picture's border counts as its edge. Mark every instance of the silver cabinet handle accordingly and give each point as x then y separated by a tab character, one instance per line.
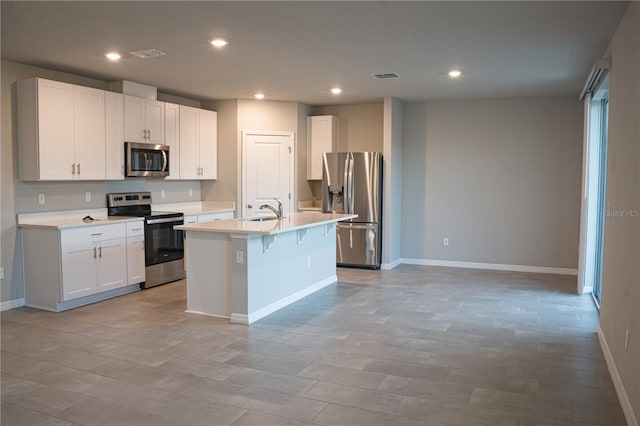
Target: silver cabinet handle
73	169
96	234
78	169
149	133
94	252
250	206
100	252
136	229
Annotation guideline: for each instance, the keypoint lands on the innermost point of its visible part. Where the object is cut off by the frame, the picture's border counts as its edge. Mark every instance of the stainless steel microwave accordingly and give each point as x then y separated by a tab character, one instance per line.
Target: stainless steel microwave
146	159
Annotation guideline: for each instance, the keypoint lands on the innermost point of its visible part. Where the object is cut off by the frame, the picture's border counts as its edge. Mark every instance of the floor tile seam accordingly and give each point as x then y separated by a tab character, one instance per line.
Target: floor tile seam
536	408
243	386
392	412
33	409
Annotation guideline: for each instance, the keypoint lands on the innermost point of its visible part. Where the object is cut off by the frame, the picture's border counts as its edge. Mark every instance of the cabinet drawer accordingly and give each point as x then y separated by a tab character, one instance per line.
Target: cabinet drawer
135	228
210	217
190	219
79	238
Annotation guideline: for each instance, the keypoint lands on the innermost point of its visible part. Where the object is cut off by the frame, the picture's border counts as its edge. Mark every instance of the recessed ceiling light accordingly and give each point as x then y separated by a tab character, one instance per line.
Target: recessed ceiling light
455	73
218	42
336	90
259	96
113	56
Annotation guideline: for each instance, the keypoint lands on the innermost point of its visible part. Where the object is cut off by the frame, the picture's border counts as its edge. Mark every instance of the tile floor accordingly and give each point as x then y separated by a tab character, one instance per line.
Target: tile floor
412	346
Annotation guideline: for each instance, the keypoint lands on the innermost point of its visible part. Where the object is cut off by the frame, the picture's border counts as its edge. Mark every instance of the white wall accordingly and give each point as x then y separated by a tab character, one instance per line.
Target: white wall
620	301
500	178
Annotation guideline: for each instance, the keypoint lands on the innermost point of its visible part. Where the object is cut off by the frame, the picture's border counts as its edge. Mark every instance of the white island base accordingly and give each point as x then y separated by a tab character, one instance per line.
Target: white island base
245	270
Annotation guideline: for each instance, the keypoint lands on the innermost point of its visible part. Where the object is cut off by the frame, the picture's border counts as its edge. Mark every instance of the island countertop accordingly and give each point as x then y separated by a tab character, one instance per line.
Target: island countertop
291	222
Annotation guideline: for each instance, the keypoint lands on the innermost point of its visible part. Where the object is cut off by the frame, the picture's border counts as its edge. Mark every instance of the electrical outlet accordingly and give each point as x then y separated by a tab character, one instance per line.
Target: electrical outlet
626	340
162	193
445	241
87	196
308	261
239	256
40	198
1	273
190	192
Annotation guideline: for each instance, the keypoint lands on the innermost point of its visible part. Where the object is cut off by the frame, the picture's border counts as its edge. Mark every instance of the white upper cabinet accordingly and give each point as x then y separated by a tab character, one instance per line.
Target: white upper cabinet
61	131
143	120
198	143
114	127
172	138
322	136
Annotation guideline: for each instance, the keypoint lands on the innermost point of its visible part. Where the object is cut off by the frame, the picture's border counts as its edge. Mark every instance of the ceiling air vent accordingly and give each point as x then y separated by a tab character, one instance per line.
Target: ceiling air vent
385	75
148	53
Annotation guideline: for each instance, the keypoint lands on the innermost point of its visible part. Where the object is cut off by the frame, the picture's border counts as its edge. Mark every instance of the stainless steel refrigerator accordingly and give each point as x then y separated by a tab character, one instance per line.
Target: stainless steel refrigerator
352	183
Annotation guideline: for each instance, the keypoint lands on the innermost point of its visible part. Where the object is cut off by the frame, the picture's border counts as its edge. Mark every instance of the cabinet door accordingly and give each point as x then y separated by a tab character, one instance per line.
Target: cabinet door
135	260
171	138
322	136
154	119
89	133
78	272
111	261
114	134
55	130
134	119
189	166
208	144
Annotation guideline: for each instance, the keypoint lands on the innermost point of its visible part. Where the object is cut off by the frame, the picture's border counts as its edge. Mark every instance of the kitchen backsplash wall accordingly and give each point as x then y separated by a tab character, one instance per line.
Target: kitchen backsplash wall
72	195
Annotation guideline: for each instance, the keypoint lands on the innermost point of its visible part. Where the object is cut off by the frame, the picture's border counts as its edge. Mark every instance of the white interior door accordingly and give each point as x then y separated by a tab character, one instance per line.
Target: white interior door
268	171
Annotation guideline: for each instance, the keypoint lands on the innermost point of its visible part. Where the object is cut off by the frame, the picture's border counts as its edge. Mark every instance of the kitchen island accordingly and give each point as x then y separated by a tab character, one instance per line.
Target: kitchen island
245	269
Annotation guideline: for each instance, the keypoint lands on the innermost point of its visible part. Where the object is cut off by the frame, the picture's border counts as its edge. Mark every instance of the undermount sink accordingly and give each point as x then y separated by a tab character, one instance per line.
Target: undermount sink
259	219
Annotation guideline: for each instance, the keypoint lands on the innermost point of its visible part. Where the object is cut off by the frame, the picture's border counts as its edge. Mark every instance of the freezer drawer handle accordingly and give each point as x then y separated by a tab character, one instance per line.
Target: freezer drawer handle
356	226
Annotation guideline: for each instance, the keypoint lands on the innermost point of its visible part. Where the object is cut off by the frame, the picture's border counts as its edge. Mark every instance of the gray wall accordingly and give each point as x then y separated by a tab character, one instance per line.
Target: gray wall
393	189
500	178
360	125
238	115
620	308
22	197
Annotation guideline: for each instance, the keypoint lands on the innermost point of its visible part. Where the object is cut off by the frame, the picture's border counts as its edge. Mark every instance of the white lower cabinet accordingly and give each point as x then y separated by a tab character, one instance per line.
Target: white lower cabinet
93	260
135	253
70	267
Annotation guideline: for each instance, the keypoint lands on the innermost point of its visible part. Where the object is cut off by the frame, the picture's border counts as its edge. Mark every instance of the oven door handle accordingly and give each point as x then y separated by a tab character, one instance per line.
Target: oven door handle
177	220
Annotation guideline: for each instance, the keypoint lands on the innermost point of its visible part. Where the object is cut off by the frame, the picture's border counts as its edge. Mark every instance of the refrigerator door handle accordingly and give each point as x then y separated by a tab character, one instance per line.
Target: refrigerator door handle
348	202
345	189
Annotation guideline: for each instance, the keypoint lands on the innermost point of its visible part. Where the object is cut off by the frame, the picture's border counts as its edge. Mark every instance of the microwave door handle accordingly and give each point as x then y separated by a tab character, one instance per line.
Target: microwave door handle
164	160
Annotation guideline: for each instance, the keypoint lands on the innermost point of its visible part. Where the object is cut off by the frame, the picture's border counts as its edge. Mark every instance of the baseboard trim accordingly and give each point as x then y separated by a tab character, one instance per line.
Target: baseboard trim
490	266
627	408
207	315
271	308
390	266
11	304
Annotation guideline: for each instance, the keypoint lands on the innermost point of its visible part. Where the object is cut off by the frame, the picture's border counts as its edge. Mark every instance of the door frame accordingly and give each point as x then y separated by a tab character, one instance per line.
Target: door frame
243	173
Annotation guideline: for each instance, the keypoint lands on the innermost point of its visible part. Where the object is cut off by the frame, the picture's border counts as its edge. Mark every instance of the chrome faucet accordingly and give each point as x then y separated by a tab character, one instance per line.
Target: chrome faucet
279	212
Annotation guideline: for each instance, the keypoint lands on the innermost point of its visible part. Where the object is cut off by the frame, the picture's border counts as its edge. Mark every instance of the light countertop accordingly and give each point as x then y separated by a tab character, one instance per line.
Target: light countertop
290	222
73	218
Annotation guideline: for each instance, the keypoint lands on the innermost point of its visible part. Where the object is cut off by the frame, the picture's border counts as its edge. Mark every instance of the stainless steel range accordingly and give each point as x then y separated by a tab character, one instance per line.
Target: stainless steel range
163	246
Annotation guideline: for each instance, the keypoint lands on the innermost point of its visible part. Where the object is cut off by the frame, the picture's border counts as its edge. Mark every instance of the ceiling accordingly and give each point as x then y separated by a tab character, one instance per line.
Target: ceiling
298	50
